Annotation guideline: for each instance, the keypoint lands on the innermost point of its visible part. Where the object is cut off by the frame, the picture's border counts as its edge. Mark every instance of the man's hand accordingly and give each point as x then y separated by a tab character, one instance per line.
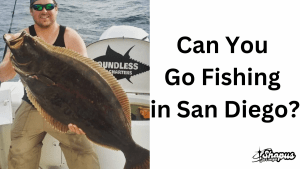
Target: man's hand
75	129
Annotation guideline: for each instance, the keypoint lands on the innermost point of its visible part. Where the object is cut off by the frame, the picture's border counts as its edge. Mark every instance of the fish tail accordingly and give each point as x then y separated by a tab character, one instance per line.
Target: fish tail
137	158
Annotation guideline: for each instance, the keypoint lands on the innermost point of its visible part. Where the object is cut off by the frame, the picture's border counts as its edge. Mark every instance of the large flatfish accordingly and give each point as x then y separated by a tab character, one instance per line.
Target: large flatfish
66	87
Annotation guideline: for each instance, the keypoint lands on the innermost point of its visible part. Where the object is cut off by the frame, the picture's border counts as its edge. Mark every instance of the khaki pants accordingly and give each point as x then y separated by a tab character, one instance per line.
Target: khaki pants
28	131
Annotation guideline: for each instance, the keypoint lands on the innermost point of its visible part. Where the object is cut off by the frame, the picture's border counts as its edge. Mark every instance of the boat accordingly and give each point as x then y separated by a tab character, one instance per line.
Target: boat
122	50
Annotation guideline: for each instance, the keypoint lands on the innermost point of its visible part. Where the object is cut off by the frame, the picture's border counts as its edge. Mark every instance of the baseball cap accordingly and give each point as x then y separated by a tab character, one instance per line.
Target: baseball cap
32	1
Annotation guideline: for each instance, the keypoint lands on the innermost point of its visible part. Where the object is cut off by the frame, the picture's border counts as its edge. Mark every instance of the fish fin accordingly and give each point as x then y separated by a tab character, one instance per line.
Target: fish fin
23	82
102	145
56	124
128	78
106	75
137	158
44	79
127	53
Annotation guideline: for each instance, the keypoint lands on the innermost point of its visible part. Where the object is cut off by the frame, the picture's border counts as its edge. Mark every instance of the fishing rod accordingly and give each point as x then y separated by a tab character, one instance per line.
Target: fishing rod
9	31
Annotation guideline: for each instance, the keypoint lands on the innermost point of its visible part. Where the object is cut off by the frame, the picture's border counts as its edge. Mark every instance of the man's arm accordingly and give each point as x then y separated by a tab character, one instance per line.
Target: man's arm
74	41
7	71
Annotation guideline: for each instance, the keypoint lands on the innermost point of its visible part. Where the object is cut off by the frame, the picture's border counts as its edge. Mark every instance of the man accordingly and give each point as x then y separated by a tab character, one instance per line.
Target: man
29	127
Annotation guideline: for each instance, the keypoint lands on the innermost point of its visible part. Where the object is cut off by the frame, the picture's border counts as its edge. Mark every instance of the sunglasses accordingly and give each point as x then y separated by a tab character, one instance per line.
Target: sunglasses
39	7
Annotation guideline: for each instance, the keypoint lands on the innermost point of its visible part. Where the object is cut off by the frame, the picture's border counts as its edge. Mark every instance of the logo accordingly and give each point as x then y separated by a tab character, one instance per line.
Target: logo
268	155
121	66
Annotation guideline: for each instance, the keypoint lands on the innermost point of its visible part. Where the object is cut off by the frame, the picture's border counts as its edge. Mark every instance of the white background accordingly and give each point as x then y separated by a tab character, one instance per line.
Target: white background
224	142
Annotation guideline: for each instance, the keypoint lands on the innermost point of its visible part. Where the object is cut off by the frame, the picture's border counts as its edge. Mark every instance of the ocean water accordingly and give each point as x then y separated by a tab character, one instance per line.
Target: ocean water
90	18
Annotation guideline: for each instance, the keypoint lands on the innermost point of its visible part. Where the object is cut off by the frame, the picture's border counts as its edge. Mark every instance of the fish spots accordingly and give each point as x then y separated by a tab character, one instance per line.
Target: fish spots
68	112
106	108
33	77
56	100
72	92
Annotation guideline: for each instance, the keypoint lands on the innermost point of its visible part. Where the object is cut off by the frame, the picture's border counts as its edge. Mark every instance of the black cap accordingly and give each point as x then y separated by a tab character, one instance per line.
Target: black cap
32	1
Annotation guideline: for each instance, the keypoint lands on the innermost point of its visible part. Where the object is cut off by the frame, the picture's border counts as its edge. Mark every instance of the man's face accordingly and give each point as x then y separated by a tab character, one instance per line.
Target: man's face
44	18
